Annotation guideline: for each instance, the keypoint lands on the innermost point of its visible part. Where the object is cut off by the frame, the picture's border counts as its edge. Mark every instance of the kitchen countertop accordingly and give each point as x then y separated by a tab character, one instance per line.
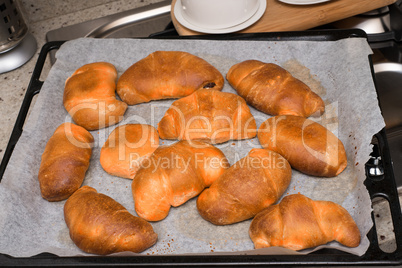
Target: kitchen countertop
42	18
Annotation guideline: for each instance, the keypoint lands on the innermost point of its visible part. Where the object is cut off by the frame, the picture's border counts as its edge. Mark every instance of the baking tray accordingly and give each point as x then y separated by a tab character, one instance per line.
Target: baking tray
378	186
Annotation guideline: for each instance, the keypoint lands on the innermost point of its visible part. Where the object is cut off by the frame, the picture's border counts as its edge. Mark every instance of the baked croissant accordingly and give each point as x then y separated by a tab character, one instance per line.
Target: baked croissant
90	96
250	185
209	116
298	222
174	174
166	75
64	162
126	148
273	90
308	146
100	225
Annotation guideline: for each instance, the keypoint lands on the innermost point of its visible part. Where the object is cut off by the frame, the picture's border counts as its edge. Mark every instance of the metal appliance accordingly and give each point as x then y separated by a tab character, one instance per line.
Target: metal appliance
17	45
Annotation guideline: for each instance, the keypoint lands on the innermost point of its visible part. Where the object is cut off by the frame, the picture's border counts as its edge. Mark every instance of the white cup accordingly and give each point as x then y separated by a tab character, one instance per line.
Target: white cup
218	14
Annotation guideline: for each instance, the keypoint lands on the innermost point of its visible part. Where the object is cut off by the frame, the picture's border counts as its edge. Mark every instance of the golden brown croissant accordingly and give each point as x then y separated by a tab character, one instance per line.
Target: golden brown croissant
175	174
98	224
273	90
298	222
250	185
90	96
127	147
64	162
166	75
209	116
308	146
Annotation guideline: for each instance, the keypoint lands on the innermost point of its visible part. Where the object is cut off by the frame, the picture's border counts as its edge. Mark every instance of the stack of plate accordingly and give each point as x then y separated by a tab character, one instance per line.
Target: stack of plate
253	17
303	2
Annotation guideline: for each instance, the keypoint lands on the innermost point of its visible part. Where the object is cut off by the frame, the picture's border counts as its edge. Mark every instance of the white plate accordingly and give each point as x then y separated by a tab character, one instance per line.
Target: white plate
303	2
253	19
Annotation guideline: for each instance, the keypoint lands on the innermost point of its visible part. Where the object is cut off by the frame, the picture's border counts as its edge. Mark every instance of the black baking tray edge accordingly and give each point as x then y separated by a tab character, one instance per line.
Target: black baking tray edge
384	187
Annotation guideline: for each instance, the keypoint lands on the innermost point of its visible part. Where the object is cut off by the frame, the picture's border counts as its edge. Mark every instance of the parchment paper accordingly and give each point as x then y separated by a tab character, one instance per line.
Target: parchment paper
338	70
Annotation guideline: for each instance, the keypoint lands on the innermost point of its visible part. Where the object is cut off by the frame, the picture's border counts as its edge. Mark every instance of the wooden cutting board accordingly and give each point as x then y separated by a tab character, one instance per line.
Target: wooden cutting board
285	17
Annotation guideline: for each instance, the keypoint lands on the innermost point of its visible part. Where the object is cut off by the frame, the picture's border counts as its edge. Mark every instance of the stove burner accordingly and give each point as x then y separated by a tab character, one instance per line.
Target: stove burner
373	22
377	12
